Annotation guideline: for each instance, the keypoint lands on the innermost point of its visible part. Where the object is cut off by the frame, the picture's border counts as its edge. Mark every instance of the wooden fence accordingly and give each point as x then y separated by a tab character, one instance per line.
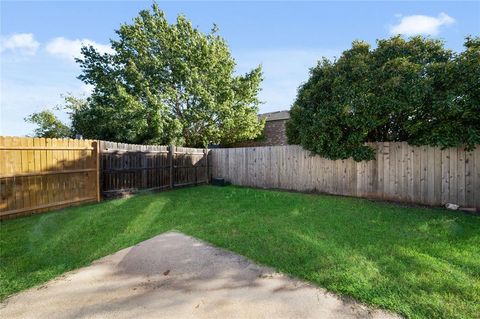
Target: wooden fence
41	174
38	174
400	172
128	168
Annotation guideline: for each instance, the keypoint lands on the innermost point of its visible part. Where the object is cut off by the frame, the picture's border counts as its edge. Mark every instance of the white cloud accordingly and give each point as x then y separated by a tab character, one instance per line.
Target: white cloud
70	49
22	43
421	24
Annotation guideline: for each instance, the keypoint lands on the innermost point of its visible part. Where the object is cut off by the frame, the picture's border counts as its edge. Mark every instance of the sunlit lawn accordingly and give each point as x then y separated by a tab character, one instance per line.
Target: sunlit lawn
419	262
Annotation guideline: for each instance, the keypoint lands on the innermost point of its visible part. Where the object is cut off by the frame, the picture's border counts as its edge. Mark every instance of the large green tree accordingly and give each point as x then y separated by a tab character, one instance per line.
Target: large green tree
403	90
48	125
167	83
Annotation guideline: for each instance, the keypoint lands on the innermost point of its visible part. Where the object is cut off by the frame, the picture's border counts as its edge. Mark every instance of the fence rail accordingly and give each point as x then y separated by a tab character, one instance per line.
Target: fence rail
400	172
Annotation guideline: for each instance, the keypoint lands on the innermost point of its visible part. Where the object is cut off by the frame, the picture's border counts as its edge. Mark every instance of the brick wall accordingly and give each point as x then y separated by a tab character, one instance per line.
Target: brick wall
273	134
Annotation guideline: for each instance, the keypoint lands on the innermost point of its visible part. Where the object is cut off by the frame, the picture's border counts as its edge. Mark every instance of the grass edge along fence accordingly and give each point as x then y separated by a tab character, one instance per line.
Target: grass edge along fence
400	172
43	174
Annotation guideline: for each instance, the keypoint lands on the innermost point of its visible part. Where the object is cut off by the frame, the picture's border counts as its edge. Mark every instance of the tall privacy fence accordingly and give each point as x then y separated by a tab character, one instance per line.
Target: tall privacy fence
400	172
41	174
128	167
38	174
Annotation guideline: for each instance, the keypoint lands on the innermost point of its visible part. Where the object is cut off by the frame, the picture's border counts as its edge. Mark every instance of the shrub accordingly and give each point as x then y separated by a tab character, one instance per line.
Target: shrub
403	90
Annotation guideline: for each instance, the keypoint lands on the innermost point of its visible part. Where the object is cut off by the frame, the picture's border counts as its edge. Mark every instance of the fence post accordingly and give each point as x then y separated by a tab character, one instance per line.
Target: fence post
205	154
97	155
144	165
171	153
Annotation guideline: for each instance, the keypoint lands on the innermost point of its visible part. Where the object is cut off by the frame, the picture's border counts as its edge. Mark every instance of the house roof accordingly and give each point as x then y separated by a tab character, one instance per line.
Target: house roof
275	116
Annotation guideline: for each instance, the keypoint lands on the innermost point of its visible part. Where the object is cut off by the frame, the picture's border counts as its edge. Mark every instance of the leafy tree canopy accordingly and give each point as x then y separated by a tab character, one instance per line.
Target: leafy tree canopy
48	125
167	83
403	90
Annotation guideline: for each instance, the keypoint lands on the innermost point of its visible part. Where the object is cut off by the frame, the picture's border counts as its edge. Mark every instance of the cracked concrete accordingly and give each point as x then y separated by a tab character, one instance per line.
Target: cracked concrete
176	276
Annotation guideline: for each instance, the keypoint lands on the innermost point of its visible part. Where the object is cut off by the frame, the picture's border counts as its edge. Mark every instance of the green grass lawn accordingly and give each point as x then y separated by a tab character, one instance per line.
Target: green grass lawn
419	262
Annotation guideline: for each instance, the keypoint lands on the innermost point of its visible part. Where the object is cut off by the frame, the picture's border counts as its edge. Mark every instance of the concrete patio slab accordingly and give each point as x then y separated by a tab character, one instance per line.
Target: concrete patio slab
176	276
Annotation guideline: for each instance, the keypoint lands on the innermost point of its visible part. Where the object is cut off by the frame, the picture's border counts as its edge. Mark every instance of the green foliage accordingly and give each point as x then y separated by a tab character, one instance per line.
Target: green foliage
48	125
404	90
167	83
419	262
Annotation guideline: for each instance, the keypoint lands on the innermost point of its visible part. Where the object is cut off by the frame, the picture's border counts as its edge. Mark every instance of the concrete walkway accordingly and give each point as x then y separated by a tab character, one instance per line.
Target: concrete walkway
176	276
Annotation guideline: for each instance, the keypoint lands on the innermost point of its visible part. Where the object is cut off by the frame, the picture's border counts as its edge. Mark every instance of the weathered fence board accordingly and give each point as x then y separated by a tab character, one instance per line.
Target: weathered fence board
190	166
127	168
39	174
400	172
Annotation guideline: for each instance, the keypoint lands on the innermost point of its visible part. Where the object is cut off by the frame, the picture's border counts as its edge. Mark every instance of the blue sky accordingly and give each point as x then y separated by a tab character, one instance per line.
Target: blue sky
39	39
